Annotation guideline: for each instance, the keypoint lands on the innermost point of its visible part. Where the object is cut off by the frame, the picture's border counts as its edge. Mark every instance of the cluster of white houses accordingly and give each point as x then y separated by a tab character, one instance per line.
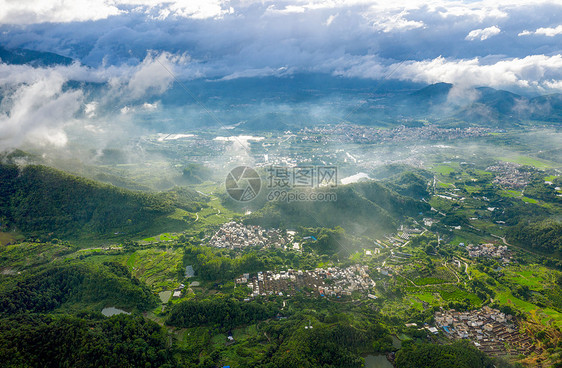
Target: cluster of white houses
490	330
331	281
489	250
234	235
510	175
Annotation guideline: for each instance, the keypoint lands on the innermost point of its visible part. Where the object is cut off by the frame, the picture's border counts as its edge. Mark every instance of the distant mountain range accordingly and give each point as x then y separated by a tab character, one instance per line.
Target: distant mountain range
479	105
293	101
31	57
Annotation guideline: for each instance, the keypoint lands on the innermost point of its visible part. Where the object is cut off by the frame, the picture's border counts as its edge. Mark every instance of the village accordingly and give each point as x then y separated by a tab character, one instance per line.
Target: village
234	235
510	175
489	250
491	331
349	133
331	281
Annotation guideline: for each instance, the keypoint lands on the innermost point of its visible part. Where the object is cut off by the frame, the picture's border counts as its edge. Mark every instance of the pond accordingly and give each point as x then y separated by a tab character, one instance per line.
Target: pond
189	272
377	361
165	296
111	311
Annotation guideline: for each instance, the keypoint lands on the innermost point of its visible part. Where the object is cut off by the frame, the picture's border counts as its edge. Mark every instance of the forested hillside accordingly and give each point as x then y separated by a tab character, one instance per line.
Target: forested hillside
223	313
457	355
362	207
544	236
82	284
38	199
87	341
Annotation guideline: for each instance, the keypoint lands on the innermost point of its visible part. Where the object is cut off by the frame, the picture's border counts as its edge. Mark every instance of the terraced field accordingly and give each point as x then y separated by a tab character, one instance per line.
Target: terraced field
157	267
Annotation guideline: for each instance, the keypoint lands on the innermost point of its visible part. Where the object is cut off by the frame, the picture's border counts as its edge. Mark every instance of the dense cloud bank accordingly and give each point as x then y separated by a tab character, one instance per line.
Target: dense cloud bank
137	49
499	44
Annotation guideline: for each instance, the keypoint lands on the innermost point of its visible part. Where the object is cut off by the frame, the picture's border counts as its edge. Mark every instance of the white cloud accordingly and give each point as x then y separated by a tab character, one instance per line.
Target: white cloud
231	39
396	22
536	72
539	73
155	74
478	10
331	19
90	109
195	9
37	113
150	106
550	32
554	84
483	34
28	12
37	110
543	31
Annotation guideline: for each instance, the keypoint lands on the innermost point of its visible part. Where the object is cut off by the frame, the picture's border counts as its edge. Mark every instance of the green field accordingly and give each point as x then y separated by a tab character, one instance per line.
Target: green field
529	200
6	238
472	188
526	160
511	193
445	169
215	214
426	297
428	281
157	267
546	316
28	254
456	294
533	276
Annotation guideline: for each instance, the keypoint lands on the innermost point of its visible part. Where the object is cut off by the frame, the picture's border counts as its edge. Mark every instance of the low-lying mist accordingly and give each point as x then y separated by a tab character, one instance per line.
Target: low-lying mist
147	127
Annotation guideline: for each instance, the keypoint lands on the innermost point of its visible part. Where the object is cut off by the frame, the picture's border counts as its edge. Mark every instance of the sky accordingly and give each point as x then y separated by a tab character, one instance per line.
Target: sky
501	44
138	47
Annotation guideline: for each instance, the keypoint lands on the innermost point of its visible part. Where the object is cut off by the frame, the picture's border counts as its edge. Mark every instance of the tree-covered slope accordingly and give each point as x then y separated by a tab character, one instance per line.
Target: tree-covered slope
38	199
360	208
222	313
86	341
457	355
78	284
544	236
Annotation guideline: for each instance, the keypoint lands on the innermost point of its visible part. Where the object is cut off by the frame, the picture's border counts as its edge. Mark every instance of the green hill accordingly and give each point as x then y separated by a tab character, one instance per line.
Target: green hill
459	354
38	200
79	284
366	207
83	341
196	174
544	236
409	184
